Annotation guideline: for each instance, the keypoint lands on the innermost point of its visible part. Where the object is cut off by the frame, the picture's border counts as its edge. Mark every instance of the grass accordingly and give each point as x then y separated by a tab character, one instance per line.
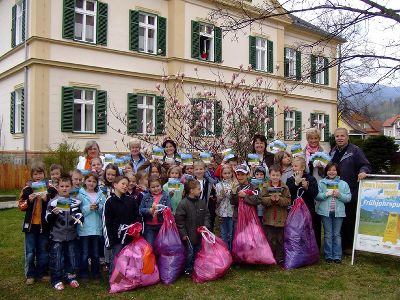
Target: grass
370	228
373	276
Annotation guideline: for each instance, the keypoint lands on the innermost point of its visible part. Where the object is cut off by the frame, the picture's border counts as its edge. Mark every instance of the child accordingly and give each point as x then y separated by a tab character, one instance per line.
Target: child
64	215
120	211
187	172
191	213
35	226
128	169
154	168
302	184
55	174
92	202
97	166
333	193
284	159
260	173
232	162
76	177
148	209
132	184
176	195
224	207
110	173
275	198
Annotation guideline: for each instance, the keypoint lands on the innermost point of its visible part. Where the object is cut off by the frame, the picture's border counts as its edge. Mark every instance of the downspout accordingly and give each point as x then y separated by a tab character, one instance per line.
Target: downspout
338	84
26	106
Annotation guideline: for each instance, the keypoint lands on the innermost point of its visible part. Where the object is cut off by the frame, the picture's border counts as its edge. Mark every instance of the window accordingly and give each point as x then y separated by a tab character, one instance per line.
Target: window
261	54
146	114
206	42
290	125
291	60
207	117
320	66
147	33
319	123
17	111
85	20
18	23
319	70
84	104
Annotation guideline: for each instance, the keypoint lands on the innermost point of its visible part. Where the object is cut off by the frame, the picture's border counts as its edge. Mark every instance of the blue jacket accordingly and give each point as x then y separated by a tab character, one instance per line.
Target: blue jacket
93	224
136	164
147	203
325	205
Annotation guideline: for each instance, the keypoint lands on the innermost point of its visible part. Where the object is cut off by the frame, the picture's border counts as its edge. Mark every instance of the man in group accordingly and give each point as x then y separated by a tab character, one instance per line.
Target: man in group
353	166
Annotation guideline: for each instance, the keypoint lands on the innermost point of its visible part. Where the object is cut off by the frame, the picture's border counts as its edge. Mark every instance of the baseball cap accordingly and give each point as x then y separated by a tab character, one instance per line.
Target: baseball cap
242	168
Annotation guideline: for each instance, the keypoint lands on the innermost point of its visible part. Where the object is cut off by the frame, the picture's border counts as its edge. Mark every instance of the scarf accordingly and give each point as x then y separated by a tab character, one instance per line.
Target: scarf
88	163
310	150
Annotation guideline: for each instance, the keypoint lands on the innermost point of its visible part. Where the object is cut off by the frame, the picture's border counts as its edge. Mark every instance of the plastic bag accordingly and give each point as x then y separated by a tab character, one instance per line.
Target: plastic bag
300	246
169	250
213	260
249	243
134	265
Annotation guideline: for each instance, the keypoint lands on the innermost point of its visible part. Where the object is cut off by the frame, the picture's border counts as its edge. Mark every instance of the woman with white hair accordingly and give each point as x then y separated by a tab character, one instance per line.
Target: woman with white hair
313	136
137	158
91	151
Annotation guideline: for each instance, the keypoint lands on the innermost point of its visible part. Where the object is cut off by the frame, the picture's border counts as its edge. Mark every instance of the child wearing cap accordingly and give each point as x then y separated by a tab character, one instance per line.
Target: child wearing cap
260	172
238	191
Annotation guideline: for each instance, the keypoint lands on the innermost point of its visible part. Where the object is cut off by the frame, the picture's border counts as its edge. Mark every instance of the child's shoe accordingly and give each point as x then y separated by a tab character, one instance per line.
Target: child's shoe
45	278
74	284
59	286
30	281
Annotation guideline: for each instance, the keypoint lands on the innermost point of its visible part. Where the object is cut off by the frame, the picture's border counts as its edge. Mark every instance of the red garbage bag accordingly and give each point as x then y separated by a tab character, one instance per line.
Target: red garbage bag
249	243
134	265
300	246
169	250
213	260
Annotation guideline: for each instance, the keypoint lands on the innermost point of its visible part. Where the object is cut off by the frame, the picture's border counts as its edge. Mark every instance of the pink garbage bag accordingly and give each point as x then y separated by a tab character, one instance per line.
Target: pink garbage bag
250	245
213	260
135	265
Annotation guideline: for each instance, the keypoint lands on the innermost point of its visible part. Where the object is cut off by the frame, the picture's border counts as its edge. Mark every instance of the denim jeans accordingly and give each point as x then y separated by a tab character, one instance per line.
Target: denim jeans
90	249
191	252
64	261
114	251
36	244
332	237
227	231
150	233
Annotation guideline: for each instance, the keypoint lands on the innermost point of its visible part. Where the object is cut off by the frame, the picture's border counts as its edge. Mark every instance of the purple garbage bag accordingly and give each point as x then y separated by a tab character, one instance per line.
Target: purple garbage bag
169	250
300	246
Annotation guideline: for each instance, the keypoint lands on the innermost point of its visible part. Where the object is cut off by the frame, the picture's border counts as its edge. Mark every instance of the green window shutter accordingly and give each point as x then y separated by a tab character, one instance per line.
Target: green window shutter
13	25
271	124
313	68
298	125
67	109
101	112
162	35
326	71
102	23
218	118
270	50
195	39
132	118
252	52
134	30
326	129
12	113
286	65
298	65
22	110
68	19
23	20
313	117
160	115
218	44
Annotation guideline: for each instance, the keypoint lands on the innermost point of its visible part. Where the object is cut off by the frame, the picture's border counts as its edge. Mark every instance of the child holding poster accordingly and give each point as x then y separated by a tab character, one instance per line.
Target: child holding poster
332	194
174	186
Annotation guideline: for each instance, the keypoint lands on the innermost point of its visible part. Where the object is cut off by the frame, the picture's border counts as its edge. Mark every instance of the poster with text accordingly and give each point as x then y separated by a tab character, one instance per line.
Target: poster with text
378	217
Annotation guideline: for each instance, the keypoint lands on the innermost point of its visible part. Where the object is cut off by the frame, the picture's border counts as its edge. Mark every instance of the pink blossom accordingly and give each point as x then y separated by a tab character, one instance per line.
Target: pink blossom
270	130
323	125
241	67
249	67
158	86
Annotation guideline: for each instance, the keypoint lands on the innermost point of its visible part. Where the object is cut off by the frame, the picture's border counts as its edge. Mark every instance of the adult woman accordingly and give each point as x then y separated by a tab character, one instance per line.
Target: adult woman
170	152
260	147
137	158
313	136
91	150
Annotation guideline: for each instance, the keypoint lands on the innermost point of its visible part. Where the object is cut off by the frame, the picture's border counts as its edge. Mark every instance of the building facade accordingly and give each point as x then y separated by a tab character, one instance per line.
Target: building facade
391	127
64	63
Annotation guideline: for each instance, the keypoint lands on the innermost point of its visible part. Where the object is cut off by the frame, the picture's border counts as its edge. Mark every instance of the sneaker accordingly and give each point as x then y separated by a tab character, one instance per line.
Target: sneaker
337	261
74	284
188	273
45	279
59	286
329	260
30	281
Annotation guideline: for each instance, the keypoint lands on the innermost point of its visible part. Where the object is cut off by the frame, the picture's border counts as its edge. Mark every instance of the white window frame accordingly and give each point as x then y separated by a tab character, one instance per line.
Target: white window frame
83	102
291	58
318	122
146	26
144	106
208	126
290	122
319	65
259	50
211	36
86	13
18	111
19	22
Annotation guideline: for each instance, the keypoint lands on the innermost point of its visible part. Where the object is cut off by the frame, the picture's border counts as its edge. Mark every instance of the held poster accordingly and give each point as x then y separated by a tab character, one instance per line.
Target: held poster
378	217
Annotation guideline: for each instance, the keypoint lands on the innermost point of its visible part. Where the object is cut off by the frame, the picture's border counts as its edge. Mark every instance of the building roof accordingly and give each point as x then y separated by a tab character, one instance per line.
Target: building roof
355	120
389	122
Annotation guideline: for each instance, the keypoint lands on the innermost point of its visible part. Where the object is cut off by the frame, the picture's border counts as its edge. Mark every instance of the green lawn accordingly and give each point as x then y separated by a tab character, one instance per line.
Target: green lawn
373	276
370	228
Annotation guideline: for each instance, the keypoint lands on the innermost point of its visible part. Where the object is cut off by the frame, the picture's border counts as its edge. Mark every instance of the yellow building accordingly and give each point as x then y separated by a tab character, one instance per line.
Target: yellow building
63	62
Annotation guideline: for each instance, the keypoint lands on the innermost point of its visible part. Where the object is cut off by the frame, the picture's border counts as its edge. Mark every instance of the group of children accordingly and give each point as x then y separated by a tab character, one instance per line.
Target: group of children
83	218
